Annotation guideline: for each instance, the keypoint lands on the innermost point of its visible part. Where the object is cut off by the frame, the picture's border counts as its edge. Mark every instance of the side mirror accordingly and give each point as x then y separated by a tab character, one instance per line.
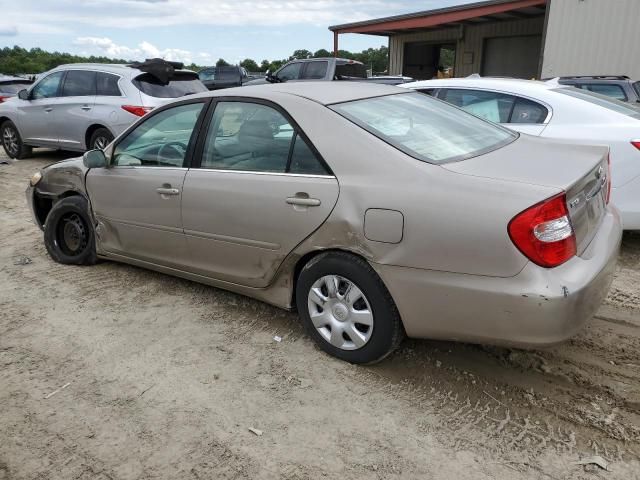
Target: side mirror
94	159
23	94
271	78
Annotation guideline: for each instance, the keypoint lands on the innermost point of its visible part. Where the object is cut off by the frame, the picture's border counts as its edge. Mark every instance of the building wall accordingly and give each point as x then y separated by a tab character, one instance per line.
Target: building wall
469	41
589	37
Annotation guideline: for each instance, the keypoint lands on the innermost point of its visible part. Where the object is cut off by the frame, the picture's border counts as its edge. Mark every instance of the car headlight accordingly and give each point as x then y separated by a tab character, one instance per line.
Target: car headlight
35	179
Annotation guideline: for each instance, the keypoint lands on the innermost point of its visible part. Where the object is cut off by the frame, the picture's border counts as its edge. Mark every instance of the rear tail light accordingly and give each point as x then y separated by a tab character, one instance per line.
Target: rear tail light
544	234
137	110
636	143
2	99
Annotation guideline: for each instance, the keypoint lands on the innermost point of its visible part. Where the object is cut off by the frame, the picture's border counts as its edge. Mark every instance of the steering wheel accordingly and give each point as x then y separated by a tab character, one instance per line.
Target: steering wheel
171	152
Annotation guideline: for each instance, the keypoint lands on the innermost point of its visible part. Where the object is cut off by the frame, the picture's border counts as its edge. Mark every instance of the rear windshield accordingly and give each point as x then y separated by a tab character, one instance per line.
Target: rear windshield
14	87
600	100
182	84
351	70
220	73
425	128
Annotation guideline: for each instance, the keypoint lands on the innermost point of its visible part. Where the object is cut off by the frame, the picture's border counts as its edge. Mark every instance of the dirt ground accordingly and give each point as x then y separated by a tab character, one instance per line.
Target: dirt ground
114	372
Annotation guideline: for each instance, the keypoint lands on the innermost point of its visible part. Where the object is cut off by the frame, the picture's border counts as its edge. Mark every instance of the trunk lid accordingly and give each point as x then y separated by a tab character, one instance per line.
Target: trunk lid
581	171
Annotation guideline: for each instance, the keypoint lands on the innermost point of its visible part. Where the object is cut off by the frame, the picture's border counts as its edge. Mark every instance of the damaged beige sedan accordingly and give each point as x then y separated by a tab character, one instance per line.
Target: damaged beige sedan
374	211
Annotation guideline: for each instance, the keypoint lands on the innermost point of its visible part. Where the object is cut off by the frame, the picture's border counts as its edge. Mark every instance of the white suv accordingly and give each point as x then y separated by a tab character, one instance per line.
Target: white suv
85	106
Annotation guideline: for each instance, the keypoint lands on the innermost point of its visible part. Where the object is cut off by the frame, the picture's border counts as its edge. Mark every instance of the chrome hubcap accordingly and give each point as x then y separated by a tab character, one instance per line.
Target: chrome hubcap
10	140
340	312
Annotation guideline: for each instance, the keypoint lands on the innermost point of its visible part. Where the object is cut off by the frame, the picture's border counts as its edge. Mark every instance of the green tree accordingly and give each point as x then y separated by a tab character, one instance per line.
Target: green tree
222	63
264	66
250	65
322	53
301	55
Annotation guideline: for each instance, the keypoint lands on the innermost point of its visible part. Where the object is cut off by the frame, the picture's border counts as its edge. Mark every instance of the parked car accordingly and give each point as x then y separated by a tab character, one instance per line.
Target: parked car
619	87
551	110
216	78
373	210
10	86
84	106
326	69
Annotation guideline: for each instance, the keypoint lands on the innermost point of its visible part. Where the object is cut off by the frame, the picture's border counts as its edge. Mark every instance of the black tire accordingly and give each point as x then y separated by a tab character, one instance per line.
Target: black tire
12	141
100	139
69	234
388	331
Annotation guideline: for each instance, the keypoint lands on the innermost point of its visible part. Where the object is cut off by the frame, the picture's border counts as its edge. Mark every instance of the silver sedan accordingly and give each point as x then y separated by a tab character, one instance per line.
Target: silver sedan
374	211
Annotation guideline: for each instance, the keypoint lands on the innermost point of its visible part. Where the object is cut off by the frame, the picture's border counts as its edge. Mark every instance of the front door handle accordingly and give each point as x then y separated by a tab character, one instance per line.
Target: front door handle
86	107
168	191
304	202
48	109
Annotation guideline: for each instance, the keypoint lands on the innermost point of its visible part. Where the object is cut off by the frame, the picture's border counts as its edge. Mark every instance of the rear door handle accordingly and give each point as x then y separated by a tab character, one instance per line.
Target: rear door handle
48	109
305	202
86	107
168	191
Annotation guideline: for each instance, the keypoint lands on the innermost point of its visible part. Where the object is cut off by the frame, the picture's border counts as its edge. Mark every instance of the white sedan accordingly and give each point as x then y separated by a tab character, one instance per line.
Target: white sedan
551	110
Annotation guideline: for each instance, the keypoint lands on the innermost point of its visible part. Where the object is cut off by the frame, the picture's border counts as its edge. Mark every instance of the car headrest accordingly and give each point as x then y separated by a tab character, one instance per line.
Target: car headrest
256	128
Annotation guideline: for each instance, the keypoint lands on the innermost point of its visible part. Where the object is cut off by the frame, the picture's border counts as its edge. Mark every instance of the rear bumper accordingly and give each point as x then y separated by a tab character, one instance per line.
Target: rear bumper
537	307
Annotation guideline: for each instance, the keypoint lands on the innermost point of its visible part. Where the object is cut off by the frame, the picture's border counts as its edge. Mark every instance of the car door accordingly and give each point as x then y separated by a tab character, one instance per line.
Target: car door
259	189
38	116
511	111
137	198
75	110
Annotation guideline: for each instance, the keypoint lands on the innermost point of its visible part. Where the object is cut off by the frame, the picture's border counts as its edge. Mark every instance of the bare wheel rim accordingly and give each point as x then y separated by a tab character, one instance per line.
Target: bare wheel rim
72	235
340	312
10	140
101	143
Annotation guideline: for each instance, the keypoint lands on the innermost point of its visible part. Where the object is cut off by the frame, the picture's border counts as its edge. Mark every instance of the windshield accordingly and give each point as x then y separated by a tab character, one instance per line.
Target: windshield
601	101
14	87
425	128
180	85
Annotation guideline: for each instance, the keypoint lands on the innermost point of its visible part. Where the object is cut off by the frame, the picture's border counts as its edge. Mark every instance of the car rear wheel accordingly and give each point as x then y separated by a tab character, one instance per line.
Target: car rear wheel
346	308
12	142
69	234
100	139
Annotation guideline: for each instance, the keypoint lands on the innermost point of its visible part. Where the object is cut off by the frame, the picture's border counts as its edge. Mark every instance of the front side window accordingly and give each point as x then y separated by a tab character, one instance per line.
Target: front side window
315	71
492	106
79	83
107	85
253	137
425	128
48	87
290	72
160	141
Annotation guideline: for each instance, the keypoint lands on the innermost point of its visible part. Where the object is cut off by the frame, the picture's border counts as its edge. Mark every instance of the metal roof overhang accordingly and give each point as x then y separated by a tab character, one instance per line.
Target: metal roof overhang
469	14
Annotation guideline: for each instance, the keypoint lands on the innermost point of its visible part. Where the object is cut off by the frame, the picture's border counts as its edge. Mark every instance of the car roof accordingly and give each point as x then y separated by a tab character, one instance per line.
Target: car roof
325	93
105	67
10	79
510	84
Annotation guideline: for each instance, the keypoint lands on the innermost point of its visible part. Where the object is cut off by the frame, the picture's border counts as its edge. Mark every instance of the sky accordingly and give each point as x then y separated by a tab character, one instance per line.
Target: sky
198	31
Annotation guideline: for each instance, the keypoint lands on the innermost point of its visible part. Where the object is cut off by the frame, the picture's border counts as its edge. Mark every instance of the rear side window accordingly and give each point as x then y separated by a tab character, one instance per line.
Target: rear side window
636	87
492	106
180	85
79	83
227	73
425	128
107	85
527	111
608	89
315	71
428	91
351	70
303	160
